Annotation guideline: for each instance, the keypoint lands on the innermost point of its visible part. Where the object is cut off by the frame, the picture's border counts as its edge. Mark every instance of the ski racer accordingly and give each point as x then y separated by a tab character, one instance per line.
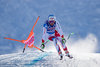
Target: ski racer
53	32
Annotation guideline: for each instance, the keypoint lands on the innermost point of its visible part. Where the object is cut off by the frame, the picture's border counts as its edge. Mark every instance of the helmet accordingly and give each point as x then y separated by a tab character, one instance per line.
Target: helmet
51	18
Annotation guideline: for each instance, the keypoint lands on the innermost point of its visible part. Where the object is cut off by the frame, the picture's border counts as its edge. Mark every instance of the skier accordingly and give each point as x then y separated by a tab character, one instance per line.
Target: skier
52	31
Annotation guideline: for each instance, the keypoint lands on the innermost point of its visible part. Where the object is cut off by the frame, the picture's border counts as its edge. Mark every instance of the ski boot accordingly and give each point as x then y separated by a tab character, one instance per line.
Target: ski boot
61	57
68	55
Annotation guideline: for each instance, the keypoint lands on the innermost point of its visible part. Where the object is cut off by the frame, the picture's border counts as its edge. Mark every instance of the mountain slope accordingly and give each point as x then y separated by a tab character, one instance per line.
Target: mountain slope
49	59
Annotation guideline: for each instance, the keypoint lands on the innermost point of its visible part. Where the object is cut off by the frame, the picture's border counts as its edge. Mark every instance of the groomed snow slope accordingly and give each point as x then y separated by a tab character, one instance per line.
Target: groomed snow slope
49	59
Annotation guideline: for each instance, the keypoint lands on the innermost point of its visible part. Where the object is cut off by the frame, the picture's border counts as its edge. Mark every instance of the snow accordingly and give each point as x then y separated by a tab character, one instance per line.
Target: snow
49	59
78	16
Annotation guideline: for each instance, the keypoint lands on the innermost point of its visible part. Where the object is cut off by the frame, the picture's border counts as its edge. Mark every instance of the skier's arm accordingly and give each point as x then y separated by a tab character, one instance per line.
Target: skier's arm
58	27
44	35
60	32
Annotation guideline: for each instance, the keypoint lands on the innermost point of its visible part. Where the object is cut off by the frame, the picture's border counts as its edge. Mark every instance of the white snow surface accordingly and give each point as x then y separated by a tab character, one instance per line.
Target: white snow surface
49	59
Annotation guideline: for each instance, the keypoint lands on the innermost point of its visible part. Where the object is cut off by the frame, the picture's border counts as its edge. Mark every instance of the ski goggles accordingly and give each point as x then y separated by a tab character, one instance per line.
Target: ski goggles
52	21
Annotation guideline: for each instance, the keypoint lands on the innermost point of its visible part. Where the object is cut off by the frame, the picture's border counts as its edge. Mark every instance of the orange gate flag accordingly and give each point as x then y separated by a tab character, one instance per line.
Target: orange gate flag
30	40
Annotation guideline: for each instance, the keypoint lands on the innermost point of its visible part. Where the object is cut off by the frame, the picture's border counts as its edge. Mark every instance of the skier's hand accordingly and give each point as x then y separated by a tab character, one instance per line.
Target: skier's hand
63	40
42	46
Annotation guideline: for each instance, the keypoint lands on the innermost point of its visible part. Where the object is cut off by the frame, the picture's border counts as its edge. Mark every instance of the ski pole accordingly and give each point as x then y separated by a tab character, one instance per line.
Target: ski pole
65	41
47	41
69	35
38	48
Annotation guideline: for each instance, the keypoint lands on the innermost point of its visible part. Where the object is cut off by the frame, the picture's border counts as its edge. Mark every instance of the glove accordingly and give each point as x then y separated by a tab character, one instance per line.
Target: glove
42	46
63	40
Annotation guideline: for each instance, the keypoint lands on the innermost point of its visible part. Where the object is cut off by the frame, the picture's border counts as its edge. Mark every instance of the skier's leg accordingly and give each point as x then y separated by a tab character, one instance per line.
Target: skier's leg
58	48
64	48
60	39
63	45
